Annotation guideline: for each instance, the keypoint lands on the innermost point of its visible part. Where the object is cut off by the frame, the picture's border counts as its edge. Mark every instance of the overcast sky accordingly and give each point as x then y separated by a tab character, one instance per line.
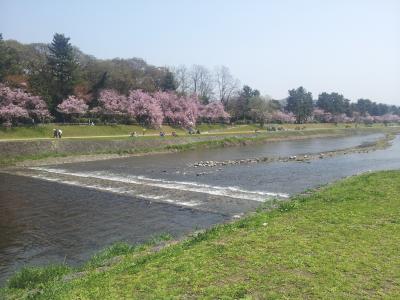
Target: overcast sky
352	47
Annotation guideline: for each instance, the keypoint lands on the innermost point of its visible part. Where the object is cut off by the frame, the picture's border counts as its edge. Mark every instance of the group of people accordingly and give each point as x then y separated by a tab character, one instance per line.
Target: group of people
192	131
57	133
162	133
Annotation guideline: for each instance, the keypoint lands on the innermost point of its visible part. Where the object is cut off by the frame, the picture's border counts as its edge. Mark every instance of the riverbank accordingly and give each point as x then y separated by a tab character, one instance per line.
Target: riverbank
45	131
40	152
341	241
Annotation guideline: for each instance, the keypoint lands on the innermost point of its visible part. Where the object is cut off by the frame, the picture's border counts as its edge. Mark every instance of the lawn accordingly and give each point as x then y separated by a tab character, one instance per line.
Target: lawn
46	130
341	242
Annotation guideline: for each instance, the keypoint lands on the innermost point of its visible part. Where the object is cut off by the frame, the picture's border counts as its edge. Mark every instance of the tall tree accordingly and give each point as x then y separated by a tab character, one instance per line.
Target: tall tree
260	109
8	60
245	95
364	106
226	84
181	74
201	83
63	68
168	83
333	103
300	103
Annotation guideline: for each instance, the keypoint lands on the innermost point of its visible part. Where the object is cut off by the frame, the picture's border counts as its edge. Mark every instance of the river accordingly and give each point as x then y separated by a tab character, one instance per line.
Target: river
65	213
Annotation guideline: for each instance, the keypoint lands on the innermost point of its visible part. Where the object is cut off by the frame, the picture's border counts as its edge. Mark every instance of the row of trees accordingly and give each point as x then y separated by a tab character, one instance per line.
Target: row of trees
334	107
211	85
248	105
151	109
70	82
57	70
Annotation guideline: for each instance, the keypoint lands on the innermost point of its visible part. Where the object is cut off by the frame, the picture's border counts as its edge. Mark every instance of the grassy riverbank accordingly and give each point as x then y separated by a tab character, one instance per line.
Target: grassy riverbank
120	130
44	131
341	242
20	151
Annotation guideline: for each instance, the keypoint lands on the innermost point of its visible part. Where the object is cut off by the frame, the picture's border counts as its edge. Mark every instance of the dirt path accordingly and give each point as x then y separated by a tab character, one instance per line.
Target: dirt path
122	136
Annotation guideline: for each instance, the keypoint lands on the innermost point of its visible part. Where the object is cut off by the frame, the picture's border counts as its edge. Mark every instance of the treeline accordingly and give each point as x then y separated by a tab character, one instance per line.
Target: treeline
57	81
57	70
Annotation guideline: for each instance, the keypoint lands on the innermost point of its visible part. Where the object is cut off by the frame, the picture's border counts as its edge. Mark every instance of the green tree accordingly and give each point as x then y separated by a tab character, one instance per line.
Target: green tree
260	109
243	101
63	69
364	106
8	60
300	103
333	103
168	83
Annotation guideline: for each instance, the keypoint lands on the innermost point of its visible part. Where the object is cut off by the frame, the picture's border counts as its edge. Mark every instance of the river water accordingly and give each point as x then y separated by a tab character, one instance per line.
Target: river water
67	212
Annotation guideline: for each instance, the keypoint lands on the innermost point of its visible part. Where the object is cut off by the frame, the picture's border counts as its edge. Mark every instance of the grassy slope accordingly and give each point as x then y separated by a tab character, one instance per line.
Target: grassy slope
341	242
46	131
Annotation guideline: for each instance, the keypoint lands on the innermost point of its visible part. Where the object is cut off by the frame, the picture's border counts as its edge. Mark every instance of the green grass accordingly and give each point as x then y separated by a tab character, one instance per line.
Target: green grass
46	130
341	242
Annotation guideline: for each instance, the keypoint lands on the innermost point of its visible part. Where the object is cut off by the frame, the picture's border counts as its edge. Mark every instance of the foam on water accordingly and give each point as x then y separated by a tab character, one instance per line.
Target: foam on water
117	191
230	191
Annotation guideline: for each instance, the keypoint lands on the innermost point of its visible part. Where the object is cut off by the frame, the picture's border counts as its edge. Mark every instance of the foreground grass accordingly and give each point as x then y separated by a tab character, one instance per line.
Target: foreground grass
342	242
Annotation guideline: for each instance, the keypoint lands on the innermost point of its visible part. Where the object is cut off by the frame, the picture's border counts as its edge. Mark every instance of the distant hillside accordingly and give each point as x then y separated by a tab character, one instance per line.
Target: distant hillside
117	73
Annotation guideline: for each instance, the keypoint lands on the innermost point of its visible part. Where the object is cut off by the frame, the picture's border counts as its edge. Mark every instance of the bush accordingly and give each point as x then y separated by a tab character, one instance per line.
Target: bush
116	249
30	277
288	206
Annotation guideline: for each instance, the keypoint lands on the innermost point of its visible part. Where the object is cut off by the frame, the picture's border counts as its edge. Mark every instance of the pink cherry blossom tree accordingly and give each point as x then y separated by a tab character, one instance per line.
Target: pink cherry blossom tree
282	117
341	118
18	105
214	112
387	118
322	116
10	114
144	108
72	107
111	104
178	110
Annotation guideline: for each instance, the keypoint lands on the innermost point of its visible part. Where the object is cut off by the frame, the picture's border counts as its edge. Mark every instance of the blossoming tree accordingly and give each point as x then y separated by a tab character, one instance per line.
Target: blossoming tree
144	108
18	105
72	107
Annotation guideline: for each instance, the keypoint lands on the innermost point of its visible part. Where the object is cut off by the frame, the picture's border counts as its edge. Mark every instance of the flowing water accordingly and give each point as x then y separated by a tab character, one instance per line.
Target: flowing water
53	214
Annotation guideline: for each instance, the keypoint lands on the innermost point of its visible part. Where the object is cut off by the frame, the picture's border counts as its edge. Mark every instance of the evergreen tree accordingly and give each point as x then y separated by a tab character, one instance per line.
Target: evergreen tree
63	69
168	83
300	103
8	60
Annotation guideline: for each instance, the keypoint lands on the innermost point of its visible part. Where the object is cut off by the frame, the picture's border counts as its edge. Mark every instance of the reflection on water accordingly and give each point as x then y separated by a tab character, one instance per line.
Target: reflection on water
67	212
